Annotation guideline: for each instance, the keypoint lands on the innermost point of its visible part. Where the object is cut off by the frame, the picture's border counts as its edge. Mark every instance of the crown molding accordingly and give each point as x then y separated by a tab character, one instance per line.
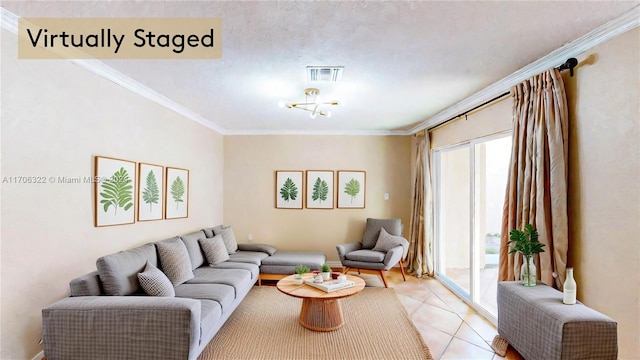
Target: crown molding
321	132
623	23
10	23
8	20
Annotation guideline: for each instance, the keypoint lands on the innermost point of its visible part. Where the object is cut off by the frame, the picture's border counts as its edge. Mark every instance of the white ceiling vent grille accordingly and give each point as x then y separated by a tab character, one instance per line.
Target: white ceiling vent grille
324	73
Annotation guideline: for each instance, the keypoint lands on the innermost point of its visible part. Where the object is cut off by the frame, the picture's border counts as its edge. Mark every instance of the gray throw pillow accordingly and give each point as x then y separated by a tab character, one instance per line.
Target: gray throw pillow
209	231
372	230
214	250
175	261
155	282
386	241
228	237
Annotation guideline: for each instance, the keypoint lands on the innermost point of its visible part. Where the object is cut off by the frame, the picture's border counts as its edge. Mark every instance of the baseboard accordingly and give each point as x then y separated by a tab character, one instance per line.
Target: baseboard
39	356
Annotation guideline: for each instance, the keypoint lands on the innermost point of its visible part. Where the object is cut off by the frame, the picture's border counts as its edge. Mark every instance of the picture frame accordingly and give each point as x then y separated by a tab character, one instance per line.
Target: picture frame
320	192
351	189
114	191
289	191
176	193
150	192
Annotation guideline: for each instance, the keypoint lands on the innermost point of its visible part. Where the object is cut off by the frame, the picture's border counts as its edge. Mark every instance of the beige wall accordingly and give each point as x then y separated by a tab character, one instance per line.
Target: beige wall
250	163
604	185
55	117
492	119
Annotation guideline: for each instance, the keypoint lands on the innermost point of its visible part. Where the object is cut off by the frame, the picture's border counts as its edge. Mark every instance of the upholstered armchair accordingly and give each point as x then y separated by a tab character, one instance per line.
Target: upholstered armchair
381	248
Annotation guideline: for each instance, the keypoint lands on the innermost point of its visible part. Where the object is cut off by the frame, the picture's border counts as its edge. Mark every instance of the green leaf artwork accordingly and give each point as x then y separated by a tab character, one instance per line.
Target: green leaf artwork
352	187
117	191
320	190
151	193
289	191
177	190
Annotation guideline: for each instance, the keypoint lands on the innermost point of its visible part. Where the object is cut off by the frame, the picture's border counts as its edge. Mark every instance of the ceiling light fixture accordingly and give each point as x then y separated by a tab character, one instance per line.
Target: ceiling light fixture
311	104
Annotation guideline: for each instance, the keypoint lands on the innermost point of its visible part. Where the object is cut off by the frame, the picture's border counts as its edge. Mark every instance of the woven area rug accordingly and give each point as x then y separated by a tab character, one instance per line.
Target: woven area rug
265	326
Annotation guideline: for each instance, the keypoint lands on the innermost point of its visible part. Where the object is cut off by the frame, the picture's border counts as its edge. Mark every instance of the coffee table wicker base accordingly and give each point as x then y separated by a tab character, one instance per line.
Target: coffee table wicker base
321	315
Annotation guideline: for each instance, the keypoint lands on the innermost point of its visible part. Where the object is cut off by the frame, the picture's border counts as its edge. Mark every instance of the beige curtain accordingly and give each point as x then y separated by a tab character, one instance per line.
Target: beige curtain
537	186
421	226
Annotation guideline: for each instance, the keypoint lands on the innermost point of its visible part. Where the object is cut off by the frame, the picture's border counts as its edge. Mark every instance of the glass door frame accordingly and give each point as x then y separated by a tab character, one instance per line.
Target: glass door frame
473	297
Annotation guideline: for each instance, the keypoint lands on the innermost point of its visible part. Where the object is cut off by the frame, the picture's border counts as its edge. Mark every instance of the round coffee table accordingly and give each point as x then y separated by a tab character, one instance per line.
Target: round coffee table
321	311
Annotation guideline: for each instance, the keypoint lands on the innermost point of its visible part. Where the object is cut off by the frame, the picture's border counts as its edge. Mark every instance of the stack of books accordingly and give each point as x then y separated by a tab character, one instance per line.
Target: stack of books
331	285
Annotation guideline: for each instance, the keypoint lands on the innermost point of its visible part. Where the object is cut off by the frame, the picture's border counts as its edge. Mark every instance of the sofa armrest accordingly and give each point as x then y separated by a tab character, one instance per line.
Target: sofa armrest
344	249
393	256
265	248
121	327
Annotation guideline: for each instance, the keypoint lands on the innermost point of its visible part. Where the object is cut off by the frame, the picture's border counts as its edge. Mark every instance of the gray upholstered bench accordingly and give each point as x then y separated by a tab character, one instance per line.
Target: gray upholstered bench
538	325
283	263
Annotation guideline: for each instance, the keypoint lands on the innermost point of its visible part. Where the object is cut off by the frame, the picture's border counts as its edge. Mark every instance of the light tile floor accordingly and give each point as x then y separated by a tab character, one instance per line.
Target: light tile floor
451	329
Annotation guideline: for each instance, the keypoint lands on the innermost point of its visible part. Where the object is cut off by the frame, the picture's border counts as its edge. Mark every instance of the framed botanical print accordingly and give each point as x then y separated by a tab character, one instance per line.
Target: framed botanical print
176	193
319	189
150	192
351	189
114	191
289	189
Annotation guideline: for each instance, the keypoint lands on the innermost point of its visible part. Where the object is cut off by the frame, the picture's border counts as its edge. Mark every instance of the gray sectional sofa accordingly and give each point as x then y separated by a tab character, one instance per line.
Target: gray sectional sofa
111	315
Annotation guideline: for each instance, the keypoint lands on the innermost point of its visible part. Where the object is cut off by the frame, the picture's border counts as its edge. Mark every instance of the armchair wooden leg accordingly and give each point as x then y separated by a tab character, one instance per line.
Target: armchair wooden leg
346	269
384	278
402	270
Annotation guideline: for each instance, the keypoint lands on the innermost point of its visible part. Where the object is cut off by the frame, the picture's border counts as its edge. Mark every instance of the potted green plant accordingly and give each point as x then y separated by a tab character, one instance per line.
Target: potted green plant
326	271
300	270
526	243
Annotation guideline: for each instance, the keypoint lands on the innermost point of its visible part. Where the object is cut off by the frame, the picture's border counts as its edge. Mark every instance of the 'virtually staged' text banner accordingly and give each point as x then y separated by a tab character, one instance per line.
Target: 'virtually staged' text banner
120	38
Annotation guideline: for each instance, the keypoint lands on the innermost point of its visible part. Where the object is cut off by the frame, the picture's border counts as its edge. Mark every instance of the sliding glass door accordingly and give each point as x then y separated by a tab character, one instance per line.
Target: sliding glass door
470	185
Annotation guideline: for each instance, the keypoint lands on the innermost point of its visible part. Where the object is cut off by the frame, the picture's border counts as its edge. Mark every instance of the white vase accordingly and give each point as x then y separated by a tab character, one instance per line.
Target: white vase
528	271
569	288
297	280
326	275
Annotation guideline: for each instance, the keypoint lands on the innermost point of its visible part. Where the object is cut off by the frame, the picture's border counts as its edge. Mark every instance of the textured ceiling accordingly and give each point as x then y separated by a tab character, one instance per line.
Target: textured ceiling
404	61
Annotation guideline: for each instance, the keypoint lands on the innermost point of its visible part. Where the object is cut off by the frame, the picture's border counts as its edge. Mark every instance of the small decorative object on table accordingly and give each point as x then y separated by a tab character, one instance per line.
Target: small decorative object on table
526	243
326	272
332	285
569	288
300	270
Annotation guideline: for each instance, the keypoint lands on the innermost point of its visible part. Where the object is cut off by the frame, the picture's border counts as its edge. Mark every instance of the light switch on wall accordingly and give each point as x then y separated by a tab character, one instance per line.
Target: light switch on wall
250	237
386	196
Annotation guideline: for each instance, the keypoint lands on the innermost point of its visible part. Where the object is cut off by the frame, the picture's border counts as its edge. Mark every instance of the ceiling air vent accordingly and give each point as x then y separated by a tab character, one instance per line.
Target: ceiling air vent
324	73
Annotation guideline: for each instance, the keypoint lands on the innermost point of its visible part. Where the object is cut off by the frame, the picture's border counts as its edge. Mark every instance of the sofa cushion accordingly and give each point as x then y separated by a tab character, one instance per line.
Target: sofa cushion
366	256
258	247
214	250
229	238
119	272
238	278
387	241
209	231
372	230
252	268
210	315
175	261
223	294
193	247
251	257
155	282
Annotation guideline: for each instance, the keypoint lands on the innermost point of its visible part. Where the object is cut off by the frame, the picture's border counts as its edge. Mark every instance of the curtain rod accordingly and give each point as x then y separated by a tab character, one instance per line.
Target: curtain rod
569	64
472	109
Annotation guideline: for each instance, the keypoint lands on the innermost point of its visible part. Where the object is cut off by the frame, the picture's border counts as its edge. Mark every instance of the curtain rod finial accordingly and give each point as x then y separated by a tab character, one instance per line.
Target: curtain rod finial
569	64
